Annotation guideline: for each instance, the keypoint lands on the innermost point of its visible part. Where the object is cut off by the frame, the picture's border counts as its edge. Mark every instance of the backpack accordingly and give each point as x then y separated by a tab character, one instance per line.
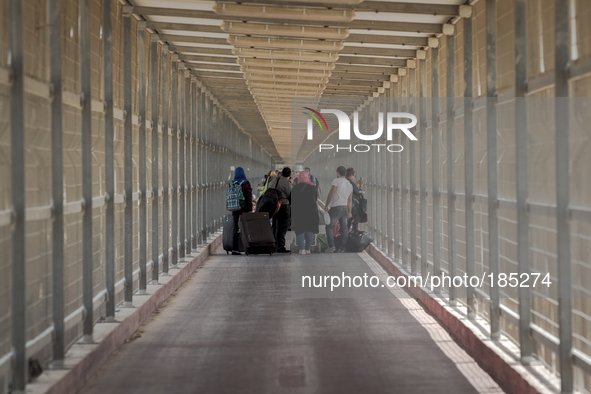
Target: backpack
313	180
356	200
263	189
235	197
270	202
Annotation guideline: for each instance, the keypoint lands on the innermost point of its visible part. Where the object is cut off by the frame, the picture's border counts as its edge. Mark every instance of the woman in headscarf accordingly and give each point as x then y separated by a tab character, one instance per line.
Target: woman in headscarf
304	212
240	177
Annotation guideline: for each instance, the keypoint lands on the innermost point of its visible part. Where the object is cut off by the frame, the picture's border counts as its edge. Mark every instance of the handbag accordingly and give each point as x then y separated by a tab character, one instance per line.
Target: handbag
323	218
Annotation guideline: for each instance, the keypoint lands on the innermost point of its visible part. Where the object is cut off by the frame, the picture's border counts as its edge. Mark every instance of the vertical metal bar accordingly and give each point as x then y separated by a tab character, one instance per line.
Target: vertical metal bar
174	96
562	56
379	177
109	160
413	176
375	176
384	180
469	163
182	182
404	181
57	179
521	140
142	82
200	163
165	177
492	167
86	129
206	174
17	183
389	184
396	179
188	141
451	170
155	146
194	106
435	142
127	158
423	165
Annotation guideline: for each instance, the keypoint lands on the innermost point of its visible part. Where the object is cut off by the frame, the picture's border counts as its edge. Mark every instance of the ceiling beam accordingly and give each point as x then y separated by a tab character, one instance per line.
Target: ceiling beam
389	40
193	27
369	6
358	24
204	58
198	67
346	87
378	61
204	50
366	69
202	73
201	40
353	50
432	28
348	82
186	39
359	76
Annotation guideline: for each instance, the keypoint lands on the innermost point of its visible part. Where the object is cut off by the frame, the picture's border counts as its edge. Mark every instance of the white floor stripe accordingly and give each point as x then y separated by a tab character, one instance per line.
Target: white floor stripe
481	381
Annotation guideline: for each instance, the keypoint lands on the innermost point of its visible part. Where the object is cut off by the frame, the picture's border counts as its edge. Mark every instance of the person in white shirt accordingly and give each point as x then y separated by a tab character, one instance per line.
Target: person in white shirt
338	205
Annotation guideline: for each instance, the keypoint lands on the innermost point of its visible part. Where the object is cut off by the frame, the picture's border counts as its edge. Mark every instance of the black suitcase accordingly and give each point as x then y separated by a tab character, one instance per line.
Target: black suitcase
358	241
256	233
228	235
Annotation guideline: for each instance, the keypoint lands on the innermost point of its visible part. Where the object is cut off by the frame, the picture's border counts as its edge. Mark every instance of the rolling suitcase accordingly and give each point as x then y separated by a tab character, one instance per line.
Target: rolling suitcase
228	236
256	233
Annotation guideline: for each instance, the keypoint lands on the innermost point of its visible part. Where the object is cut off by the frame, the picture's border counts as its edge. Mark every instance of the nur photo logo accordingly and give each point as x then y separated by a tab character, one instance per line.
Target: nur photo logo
393	122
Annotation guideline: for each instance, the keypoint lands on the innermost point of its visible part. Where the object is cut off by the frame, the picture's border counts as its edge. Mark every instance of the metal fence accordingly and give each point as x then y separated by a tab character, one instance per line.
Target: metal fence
114	162
495	182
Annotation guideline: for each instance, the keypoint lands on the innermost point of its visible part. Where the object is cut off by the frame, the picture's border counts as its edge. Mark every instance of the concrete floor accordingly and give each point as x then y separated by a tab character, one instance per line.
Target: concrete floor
234	327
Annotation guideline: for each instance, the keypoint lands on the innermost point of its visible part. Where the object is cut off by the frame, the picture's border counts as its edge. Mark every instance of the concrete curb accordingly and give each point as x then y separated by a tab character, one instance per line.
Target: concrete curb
506	376
75	378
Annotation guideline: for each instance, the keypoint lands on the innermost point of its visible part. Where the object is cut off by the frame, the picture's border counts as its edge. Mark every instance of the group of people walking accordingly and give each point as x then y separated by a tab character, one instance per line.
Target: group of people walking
299	208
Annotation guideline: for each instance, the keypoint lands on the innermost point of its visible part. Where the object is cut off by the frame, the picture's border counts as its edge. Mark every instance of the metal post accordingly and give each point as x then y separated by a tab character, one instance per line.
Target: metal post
142	82
17	183
200	181
206	175
109	161
375	177
413	176
57	179
86	129
492	166
154	113
436	141
165	177
379	177
194	107
187	183
562	56
404	181
396	179
174	96
182	182
384	165
469	163
389	184
521	140
423	164
451	170
127	157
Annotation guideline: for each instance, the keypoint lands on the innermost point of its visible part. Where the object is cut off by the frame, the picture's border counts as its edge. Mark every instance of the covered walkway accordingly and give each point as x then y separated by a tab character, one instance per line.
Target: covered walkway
122	122
234	327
